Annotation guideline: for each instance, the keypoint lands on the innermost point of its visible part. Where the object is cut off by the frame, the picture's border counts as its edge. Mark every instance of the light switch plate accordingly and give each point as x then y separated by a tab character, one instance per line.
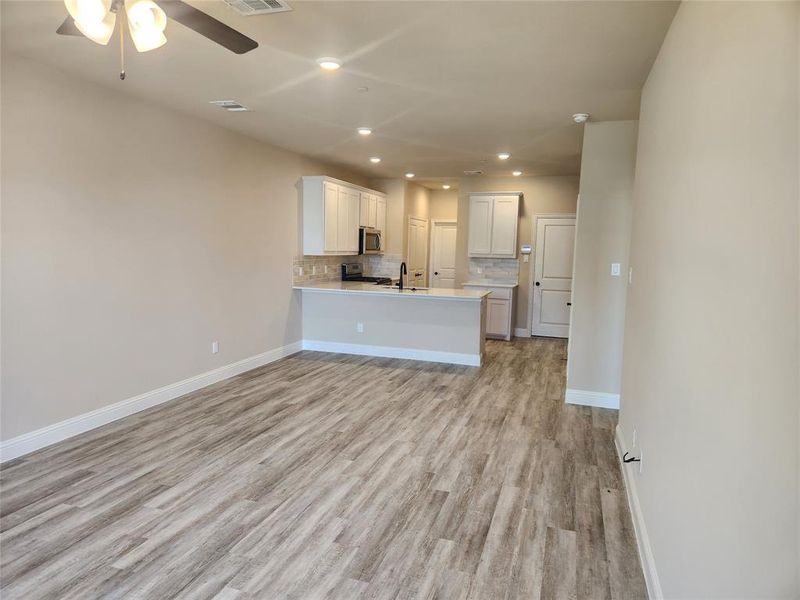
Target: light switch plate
615	269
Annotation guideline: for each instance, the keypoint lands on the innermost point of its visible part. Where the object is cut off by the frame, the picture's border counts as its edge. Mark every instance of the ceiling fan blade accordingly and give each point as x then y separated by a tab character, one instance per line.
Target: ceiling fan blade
68	28
208	26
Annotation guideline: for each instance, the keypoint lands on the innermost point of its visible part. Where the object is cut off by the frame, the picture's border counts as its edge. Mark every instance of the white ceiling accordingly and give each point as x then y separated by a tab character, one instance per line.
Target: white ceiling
450	83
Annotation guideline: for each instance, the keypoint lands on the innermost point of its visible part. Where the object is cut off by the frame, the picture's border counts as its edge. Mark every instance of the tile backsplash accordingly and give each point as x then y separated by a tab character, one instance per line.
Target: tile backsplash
382	265
321	269
493	268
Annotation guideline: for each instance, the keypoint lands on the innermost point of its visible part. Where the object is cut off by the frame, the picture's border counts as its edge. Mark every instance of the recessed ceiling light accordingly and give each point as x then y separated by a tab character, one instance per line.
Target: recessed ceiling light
503	156
580	117
409	175
364	130
375	160
446	186
516	173
328	63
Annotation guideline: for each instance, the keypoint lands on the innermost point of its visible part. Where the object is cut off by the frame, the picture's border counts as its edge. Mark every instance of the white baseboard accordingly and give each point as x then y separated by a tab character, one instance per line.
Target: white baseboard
598	399
522	332
642	540
57	432
455	358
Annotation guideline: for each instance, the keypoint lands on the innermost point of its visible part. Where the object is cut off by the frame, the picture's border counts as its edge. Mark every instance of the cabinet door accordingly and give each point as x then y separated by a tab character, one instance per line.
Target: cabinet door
331	217
381	218
504	226
349	211
497	314
373	211
363	218
480	225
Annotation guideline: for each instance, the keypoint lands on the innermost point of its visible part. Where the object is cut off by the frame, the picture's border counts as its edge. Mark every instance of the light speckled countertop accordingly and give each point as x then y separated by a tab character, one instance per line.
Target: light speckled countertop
354	287
496	283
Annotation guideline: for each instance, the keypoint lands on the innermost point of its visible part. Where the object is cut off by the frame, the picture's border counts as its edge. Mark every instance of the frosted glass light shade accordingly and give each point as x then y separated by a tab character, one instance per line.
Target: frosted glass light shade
146	22
93	18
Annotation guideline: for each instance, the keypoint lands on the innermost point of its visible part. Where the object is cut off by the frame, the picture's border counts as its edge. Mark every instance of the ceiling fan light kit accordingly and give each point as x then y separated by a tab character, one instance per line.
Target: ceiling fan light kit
147	20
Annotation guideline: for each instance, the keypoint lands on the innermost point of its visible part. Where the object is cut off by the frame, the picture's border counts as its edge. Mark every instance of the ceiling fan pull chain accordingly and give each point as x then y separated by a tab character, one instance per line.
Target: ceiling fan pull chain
122	46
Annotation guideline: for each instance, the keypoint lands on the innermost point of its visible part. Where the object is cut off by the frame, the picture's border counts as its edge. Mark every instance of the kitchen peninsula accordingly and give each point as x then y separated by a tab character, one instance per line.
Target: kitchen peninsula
435	324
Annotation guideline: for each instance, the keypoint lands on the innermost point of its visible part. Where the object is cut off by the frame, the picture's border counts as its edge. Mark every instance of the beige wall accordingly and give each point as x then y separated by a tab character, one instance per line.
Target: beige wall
444	204
542	195
602	237
710	370
133	236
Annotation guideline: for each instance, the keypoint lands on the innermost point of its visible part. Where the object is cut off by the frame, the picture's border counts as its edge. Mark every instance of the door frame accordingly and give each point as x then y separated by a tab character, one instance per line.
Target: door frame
432	223
532	260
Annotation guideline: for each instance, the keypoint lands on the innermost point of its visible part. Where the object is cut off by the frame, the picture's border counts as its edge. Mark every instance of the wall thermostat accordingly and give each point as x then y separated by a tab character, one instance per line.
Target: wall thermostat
526	249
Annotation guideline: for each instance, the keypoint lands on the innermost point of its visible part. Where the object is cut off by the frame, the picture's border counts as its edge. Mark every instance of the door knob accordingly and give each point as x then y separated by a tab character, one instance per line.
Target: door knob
538	284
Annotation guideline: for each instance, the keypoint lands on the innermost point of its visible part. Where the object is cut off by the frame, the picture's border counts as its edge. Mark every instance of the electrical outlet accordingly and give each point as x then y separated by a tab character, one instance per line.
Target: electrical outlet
360	327
615	269
313	269
214	347
299	271
325	267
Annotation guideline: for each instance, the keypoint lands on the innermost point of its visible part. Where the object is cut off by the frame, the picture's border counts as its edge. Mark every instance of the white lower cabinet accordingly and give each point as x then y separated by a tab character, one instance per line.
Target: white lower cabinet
497	316
499	309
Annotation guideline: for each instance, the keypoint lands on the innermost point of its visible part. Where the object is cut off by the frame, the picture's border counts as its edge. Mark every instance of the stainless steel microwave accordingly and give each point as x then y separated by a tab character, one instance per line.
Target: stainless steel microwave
370	241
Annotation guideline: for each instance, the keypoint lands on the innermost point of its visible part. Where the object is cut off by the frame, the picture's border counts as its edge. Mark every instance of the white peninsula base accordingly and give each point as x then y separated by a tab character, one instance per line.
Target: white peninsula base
446	326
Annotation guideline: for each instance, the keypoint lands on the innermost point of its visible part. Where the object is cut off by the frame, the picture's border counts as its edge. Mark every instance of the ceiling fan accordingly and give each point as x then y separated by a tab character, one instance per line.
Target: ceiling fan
96	20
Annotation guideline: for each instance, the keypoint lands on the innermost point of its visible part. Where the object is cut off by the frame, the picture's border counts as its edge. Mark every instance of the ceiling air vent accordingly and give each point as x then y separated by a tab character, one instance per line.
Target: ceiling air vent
470	173
248	8
229	105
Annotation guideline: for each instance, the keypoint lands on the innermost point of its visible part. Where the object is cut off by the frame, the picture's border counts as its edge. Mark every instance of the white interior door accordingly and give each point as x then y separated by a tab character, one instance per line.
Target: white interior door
443	251
417	250
552	288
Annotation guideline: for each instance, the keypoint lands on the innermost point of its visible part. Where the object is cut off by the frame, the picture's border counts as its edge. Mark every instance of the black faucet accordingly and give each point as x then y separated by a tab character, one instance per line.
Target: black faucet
403	270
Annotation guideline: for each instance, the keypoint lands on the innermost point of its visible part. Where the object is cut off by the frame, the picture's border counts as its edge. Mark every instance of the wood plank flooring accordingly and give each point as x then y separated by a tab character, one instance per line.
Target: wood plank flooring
332	476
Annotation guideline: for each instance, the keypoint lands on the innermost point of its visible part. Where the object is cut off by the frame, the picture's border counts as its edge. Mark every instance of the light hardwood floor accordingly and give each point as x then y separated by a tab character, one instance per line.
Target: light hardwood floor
332	476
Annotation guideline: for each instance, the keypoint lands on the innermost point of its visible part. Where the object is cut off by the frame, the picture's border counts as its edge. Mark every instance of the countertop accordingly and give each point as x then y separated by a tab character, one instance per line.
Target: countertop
495	283
353	287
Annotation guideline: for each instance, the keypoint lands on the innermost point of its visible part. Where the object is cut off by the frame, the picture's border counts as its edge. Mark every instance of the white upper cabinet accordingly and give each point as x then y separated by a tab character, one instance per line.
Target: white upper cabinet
480	225
368	212
493	220
331	217
380	223
363	213
333	210
504	226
